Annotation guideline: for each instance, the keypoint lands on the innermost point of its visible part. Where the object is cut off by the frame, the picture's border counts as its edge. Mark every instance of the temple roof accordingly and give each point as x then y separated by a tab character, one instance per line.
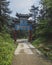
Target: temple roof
30	19
23	15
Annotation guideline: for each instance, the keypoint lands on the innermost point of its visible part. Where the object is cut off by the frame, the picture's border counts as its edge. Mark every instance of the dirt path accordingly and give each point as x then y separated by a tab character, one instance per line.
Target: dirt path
26	54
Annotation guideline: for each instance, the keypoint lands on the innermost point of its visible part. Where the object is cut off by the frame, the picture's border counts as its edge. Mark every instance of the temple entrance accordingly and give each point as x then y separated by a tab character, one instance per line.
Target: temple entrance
22	34
23	27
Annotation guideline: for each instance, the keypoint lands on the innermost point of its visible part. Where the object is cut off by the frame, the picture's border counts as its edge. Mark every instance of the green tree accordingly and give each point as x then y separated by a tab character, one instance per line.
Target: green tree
4	12
34	12
45	20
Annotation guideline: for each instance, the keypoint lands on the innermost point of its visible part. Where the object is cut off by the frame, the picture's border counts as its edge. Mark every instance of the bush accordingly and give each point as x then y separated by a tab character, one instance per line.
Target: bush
6	49
37	42
44	47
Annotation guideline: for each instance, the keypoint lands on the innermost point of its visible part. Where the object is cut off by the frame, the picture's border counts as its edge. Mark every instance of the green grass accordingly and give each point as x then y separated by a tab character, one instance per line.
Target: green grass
7	48
37	42
44	47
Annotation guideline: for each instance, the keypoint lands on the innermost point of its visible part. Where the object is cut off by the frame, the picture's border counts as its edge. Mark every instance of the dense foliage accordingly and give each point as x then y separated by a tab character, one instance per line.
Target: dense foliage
6	42
45	19
4	13
43	32
34	12
6	49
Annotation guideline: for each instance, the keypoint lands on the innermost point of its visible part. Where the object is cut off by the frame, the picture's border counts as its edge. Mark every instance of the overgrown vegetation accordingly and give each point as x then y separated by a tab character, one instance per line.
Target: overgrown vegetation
6	49
6	42
43	31
44	47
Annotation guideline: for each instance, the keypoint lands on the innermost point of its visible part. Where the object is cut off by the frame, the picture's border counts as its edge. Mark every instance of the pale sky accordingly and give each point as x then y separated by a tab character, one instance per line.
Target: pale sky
22	6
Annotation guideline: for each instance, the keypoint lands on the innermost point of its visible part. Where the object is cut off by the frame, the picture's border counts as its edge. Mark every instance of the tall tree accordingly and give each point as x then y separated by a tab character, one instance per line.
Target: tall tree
45	19
34	12
4	12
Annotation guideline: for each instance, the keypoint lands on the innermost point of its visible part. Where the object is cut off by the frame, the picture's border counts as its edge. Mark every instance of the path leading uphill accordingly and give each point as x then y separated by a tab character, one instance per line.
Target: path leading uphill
27	54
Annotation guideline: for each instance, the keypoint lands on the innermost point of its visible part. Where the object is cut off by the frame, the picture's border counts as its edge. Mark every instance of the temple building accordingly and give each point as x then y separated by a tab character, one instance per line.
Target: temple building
22	22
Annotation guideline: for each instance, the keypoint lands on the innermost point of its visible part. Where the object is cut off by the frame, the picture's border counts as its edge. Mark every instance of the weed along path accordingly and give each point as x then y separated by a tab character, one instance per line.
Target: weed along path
26	54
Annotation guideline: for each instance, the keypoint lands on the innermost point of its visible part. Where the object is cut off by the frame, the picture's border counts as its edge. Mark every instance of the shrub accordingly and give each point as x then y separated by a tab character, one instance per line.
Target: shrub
6	49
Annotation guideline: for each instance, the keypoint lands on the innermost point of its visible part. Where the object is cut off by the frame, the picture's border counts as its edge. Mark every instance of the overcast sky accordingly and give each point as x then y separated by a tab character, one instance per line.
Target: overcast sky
22	6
